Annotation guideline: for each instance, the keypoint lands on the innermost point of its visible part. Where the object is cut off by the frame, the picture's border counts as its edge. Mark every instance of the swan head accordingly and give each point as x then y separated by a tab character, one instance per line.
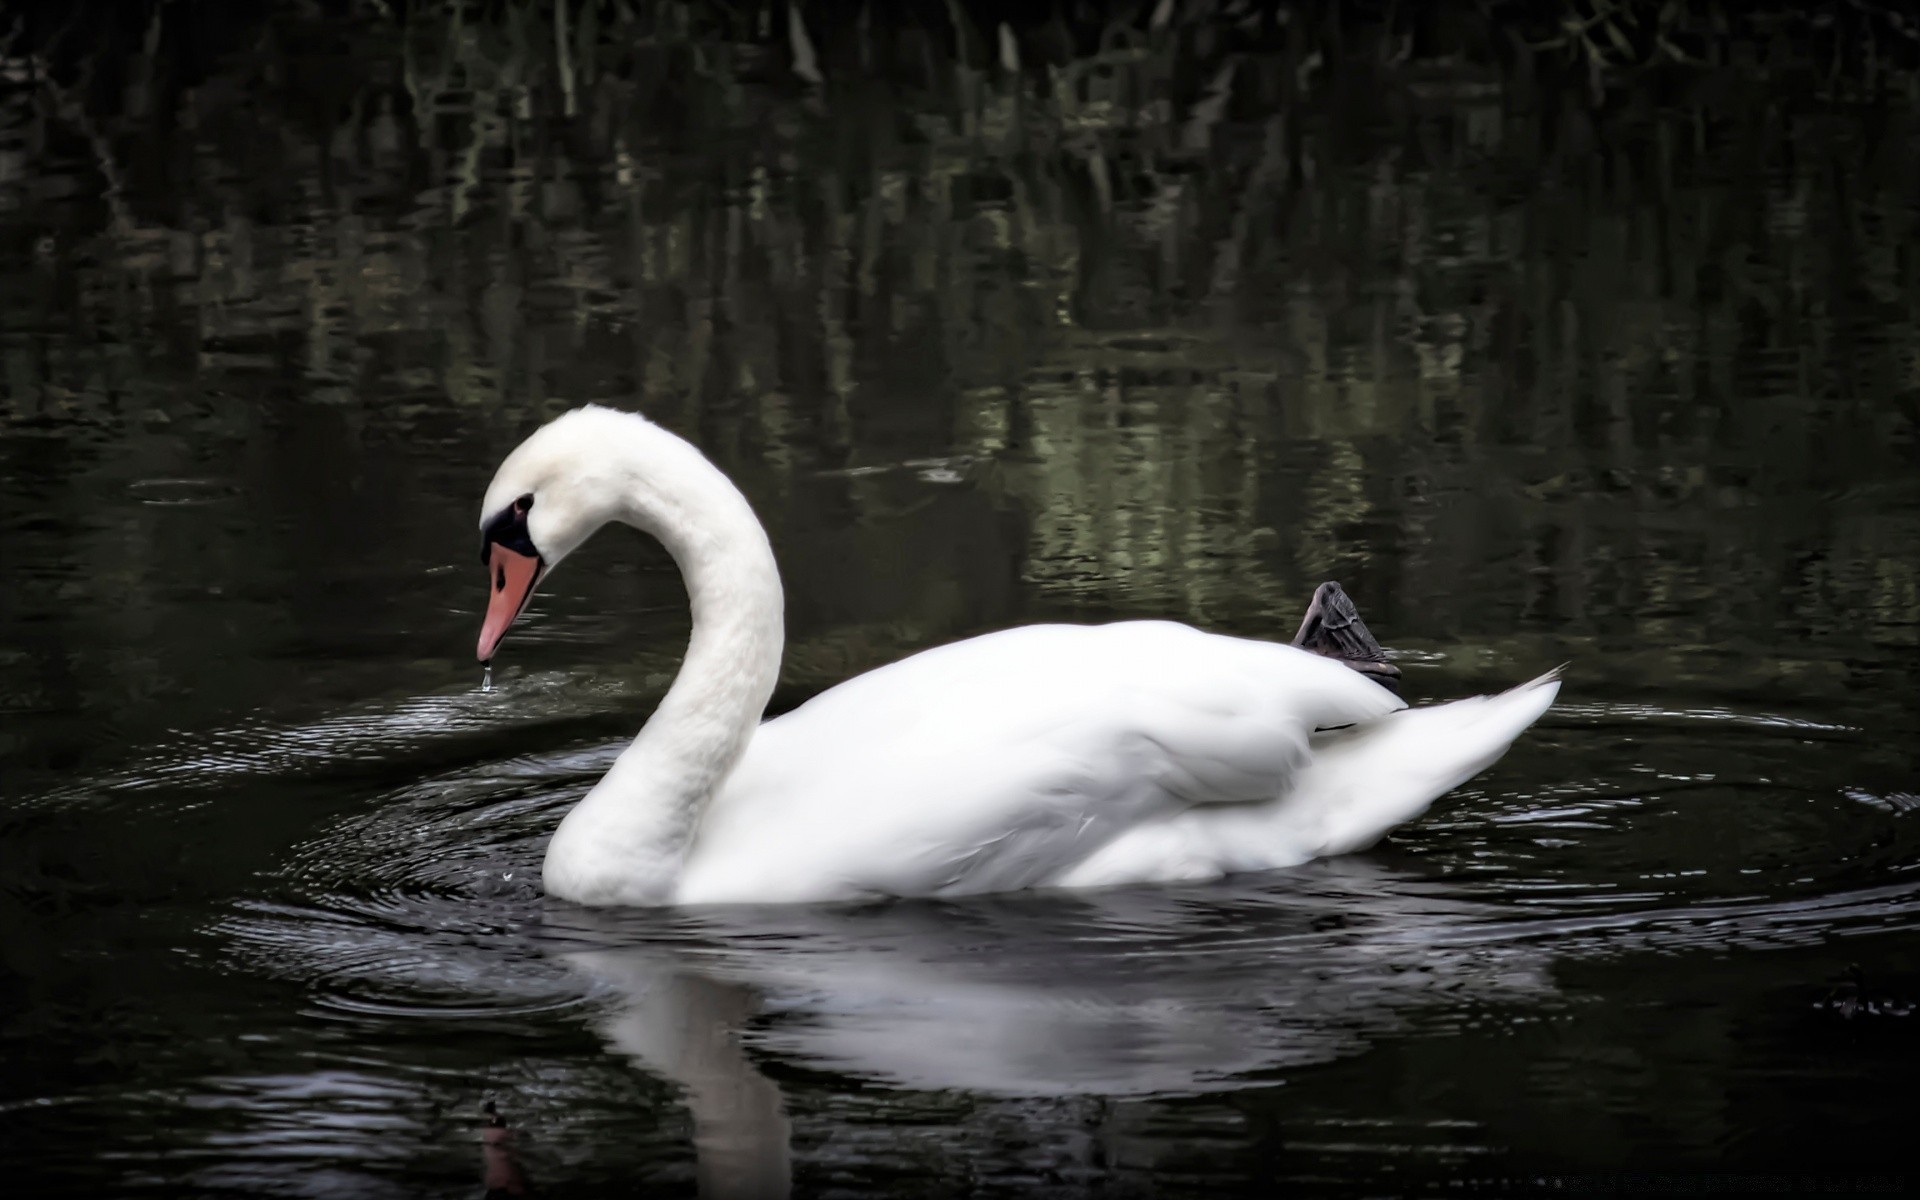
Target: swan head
547	498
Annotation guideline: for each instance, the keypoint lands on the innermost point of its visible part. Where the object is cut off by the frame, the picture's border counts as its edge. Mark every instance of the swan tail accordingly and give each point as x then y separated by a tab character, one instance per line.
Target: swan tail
1363	781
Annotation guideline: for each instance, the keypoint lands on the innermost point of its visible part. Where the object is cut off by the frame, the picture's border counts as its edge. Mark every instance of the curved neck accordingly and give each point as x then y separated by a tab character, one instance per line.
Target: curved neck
625	842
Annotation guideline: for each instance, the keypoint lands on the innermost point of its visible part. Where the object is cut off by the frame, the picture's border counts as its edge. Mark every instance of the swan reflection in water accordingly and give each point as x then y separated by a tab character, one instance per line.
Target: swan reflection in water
1132	993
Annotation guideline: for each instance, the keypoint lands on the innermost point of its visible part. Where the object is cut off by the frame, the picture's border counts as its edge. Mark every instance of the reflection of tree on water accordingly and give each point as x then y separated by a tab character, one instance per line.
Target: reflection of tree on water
1081	998
1150	499
1396	323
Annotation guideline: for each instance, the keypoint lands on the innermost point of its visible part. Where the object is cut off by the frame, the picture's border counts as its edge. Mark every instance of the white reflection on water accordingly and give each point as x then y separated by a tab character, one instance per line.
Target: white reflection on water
1134	993
1129	993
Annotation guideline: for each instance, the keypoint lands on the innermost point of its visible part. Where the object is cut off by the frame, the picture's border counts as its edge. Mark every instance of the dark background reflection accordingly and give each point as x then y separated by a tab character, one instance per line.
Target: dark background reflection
1555	333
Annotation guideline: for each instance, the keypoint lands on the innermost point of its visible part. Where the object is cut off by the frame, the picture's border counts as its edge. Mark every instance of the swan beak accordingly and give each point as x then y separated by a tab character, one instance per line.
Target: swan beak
510	576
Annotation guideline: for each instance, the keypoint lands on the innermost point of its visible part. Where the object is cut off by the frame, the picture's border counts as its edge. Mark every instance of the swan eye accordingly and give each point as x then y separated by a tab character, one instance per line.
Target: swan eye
508	528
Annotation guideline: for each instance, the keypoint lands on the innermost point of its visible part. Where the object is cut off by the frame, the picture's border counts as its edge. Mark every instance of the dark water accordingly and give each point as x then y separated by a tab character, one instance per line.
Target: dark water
1629	382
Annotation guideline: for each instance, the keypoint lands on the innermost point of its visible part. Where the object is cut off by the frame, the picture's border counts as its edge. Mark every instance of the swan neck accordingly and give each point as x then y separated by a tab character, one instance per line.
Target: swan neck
625	843
733	654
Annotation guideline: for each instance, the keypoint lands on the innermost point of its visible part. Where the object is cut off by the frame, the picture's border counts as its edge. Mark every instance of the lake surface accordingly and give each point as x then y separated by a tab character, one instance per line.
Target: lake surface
1627	381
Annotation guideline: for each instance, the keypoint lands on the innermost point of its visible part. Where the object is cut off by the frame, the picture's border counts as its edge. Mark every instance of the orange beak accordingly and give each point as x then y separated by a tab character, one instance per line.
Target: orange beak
510	576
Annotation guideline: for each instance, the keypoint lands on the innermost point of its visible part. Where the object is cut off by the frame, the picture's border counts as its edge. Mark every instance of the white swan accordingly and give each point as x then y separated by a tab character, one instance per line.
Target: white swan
1043	756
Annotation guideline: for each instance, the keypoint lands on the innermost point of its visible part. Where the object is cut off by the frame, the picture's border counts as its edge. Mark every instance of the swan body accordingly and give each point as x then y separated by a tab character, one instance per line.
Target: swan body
1041	756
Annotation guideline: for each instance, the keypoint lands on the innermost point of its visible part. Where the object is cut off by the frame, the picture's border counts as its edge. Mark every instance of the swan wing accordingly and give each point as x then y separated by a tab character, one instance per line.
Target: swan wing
1003	761
1356	785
